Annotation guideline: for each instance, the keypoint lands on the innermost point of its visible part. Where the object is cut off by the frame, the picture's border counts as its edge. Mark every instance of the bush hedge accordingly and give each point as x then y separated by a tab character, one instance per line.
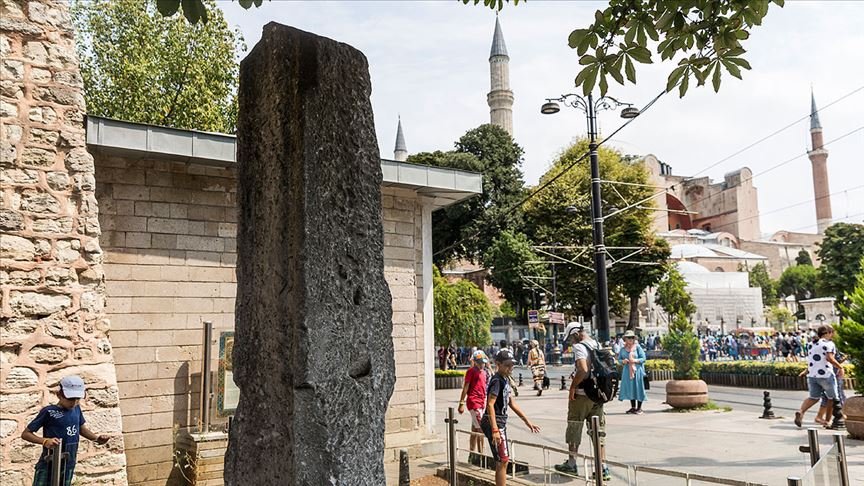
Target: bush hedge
659	365
449	372
761	368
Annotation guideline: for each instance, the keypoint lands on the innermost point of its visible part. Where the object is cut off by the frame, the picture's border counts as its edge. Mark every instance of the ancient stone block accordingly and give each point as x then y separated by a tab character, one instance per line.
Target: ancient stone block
37	157
310	269
21	377
38	304
7	427
16	329
24	279
19	402
16	248
11	220
48	354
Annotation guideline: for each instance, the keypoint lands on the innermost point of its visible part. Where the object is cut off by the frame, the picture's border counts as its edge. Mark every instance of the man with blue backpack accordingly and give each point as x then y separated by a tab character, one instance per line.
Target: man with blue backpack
594	382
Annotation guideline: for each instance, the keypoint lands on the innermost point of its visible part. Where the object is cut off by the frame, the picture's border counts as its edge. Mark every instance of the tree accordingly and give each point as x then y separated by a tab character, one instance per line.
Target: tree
799	281
759	277
850	332
840	253
707	33
463	314
634	279
781	316
141	67
507	260
560	215
672	295
803	258
683	347
467	229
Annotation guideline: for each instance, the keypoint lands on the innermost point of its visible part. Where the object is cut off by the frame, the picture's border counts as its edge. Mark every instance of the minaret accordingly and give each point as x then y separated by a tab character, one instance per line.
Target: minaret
400	153
819	160
500	98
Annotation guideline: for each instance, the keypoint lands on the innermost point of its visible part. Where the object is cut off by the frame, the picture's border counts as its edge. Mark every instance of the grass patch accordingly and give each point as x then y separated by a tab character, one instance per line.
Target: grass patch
711	406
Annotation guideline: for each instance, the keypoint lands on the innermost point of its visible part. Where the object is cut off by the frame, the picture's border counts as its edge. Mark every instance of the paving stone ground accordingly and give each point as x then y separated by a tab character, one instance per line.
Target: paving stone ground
735	445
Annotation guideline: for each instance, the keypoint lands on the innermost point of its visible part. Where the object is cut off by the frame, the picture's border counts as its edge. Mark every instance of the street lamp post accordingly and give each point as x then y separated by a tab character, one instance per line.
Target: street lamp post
590	108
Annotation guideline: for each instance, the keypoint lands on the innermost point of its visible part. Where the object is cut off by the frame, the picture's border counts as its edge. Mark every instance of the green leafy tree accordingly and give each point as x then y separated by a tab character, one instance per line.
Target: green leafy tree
467	229
633	279
196	10
560	215
803	258
800	281
704	37
507	260
463	314
141	67
840	252
672	295
781	317
850	332
683	347
759	277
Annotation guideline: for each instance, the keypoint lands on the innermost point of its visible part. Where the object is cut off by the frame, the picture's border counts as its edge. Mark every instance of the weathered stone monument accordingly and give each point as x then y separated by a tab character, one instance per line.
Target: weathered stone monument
313	353
52	318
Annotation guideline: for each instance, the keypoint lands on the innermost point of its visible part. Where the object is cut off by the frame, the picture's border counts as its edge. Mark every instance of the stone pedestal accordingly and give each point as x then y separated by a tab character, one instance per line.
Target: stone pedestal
313	353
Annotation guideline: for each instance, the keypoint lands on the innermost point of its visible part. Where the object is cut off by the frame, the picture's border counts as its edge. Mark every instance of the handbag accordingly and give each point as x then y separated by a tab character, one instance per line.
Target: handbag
646	379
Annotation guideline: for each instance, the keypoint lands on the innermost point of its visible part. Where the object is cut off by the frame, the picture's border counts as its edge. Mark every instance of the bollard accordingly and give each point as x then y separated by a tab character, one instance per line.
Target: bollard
793	481
837	412
813	446
598	453
840	441
563	384
404	474
767	413
451	443
56	460
520	379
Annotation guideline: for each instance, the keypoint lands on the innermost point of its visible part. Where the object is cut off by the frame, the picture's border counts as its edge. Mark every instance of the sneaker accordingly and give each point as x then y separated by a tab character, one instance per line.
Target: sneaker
638	411
567	468
798	418
631	411
607	476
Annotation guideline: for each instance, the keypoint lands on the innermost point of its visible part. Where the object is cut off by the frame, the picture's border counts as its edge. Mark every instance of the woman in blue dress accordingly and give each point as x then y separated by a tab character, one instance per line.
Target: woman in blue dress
632	357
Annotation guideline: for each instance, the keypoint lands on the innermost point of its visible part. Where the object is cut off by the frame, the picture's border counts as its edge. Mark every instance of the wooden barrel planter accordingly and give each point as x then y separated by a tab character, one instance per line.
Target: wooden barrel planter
686	393
448	382
854	410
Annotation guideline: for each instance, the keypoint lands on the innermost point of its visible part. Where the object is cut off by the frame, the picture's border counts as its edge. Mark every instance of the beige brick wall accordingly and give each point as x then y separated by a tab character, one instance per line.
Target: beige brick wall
169	239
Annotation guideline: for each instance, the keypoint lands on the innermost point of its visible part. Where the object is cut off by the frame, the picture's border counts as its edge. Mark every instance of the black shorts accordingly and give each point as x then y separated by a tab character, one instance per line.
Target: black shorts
501	452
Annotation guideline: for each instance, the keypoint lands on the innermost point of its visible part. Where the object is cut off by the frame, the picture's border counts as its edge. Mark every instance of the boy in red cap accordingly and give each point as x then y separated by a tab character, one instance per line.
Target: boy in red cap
65	422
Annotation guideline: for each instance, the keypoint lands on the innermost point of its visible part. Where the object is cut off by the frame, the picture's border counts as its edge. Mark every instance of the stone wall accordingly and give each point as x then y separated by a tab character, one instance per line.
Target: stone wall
53	292
168	236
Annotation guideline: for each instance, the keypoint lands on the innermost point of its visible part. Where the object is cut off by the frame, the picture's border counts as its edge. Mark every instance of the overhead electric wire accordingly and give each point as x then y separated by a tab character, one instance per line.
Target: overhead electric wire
835	220
777	166
757	142
714	228
558	175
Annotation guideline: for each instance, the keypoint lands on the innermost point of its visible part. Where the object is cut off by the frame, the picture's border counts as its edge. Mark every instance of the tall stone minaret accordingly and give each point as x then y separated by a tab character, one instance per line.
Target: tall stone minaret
500	97
819	160
400	153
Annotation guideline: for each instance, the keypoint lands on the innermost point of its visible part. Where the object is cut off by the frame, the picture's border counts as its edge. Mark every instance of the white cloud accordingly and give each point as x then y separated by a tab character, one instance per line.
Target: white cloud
428	62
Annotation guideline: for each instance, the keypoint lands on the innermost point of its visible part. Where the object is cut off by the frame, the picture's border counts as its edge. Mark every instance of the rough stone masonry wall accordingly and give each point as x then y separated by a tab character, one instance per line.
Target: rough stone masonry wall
52	319
169	238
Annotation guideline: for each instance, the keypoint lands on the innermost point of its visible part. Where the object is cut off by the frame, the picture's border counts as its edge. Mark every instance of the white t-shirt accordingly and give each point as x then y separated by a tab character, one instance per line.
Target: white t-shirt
579	352
817	359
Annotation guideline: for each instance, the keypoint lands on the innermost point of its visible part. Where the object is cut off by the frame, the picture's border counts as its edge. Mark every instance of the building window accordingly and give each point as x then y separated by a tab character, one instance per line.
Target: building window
719	269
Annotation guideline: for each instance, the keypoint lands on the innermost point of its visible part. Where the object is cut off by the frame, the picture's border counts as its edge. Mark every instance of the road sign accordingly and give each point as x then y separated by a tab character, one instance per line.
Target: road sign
533	319
556	318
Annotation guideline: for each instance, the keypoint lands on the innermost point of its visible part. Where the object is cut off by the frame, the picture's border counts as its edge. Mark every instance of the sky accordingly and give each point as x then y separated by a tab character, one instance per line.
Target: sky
428	62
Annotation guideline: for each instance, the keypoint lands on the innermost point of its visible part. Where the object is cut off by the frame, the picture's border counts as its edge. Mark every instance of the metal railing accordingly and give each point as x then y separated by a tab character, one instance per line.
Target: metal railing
633	471
830	469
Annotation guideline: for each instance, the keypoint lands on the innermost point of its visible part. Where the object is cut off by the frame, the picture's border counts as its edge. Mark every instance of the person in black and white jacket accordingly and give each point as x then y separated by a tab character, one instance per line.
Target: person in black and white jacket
820	372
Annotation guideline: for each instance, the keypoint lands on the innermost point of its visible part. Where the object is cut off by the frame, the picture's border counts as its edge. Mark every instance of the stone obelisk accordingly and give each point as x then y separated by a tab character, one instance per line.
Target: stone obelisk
313	354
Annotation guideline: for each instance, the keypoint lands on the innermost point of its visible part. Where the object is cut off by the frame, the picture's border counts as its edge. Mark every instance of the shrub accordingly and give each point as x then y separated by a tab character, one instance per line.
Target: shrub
683	346
449	372
760	368
850	332
659	365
